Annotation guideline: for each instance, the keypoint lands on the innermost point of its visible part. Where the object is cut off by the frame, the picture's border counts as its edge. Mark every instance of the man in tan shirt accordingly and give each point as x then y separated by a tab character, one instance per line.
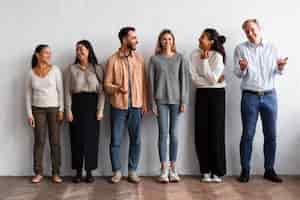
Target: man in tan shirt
125	83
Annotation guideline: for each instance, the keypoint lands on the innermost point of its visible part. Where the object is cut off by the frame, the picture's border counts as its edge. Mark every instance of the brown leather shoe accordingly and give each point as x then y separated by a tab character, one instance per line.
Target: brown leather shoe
56	179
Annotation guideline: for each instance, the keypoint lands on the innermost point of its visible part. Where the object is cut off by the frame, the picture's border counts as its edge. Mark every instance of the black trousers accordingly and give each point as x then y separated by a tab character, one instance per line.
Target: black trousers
210	130
84	131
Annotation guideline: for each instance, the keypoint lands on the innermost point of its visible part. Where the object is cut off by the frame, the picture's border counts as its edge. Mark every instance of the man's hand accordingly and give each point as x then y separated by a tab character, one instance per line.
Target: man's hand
281	63
123	90
243	64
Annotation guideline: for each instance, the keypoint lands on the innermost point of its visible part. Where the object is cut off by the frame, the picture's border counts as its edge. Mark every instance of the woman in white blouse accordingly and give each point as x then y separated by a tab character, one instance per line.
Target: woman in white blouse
207	66
44	104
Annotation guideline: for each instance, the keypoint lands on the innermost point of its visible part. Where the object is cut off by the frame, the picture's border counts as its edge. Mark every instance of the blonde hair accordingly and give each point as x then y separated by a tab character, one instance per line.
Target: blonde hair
158	49
245	23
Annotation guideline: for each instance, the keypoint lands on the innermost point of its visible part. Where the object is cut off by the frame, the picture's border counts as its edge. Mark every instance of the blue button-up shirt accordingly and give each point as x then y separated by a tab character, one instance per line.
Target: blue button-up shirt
262	66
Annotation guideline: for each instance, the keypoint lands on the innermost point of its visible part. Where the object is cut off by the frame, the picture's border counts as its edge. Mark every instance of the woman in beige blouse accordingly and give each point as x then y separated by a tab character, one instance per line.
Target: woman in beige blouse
84	104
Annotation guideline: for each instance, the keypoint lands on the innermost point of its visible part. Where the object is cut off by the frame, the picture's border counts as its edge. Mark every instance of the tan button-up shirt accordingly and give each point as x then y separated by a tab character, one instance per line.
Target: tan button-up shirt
116	77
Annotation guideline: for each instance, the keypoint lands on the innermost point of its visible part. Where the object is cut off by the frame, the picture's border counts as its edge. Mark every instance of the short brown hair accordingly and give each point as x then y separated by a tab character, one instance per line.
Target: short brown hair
245	23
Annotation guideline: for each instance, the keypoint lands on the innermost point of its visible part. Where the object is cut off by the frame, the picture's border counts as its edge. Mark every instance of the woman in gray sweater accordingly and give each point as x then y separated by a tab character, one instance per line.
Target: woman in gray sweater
168	88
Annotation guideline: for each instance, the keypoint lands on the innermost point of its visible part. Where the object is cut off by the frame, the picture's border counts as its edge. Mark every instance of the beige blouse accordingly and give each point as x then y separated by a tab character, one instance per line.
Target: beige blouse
78	80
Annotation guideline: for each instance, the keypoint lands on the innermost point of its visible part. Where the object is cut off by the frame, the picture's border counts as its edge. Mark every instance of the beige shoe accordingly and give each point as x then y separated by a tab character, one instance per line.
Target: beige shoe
56	179
117	177
133	177
37	178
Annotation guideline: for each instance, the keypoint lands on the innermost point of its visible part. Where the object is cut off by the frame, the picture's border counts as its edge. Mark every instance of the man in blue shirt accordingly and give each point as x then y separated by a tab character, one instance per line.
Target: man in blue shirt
257	63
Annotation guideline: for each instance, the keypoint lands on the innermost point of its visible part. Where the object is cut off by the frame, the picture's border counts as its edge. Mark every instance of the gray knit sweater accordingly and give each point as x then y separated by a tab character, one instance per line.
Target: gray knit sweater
168	79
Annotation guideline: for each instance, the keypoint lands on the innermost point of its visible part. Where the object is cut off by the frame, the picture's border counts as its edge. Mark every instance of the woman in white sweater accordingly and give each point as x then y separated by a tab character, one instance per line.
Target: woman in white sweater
207	65
44	105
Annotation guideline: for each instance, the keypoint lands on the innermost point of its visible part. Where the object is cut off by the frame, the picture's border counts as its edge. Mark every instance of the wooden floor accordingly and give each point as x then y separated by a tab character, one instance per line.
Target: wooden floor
20	188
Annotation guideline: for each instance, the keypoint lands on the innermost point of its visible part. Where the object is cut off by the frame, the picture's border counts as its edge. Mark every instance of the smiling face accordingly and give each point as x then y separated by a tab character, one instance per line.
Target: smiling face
253	32
44	56
167	41
82	53
130	41
204	42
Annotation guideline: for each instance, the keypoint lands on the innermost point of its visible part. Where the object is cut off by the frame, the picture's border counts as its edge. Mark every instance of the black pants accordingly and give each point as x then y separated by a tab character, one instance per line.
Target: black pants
210	130
84	131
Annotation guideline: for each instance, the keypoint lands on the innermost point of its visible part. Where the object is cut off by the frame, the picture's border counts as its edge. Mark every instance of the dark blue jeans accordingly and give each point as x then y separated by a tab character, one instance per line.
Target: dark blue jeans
251	106
132	118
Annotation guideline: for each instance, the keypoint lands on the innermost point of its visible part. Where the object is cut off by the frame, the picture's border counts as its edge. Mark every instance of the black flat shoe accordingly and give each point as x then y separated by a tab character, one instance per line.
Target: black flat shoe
244	177
77	179
272	176
89	179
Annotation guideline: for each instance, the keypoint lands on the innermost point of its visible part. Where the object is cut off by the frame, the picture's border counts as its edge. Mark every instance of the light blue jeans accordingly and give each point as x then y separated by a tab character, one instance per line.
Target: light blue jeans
167	124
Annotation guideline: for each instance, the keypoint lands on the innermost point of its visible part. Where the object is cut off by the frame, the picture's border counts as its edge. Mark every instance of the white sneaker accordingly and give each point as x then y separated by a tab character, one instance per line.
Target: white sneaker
173	176
116	178
206	178
133	177
164	176
216	179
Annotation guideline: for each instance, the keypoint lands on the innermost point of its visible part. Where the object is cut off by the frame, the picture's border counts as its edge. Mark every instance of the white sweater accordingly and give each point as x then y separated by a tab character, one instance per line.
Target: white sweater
205	73
44	91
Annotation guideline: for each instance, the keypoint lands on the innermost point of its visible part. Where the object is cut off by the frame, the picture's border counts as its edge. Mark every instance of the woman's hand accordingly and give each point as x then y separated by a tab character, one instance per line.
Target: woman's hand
221	79
99	115
31	121
204	54
70	117
60	116
182	108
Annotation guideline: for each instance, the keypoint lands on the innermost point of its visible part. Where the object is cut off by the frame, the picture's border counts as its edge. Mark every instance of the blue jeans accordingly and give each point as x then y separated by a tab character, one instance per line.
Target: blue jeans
167	124
251	106
119	117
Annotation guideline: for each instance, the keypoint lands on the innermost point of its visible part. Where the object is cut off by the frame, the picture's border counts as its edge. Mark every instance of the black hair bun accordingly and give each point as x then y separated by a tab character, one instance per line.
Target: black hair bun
222	39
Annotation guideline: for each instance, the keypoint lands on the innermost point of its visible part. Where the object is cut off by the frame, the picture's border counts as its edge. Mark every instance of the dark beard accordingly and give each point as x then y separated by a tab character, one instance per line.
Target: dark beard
130	47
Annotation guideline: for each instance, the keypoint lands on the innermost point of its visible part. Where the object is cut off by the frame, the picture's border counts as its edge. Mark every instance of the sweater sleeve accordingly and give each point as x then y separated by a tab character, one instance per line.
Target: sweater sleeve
28	95
67	89
183	78
101	95
151	72
60	90
214	69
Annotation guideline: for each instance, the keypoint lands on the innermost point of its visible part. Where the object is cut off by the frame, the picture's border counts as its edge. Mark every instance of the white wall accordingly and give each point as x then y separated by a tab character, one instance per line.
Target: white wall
61	23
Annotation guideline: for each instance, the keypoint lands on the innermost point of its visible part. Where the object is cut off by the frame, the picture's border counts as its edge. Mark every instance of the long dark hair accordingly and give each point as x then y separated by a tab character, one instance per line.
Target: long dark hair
218	39
38	49
92	59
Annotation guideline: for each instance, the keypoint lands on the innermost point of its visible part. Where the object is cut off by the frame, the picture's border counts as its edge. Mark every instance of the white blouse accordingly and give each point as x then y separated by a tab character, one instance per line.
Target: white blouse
205	73
44	91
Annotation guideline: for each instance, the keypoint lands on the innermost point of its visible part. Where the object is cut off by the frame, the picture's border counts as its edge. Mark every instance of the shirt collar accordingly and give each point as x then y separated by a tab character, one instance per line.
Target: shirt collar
122	54
262	44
